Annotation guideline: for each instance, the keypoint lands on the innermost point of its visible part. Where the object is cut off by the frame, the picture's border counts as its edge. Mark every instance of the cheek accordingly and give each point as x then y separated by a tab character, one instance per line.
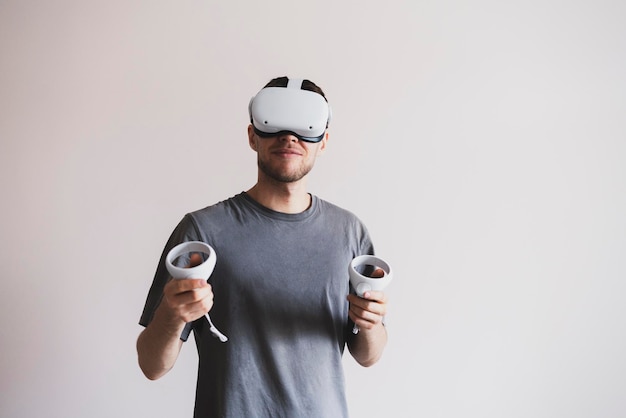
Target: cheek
317	151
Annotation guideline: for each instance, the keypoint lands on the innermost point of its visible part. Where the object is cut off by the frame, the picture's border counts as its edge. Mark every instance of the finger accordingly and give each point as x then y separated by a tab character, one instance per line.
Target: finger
378	273
360	305
195	260
369	309
191	311
193	296
363	318
187	292
376	296
185	285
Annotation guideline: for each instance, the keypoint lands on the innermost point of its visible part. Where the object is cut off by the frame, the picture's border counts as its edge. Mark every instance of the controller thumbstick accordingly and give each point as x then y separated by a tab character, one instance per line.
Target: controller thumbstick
362	288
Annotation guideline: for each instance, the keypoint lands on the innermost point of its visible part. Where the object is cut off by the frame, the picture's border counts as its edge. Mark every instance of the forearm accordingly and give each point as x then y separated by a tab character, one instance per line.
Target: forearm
159	344
367	346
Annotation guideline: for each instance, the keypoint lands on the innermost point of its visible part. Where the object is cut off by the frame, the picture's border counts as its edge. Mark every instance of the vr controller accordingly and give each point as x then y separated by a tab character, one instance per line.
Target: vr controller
202	271
359	272
277	110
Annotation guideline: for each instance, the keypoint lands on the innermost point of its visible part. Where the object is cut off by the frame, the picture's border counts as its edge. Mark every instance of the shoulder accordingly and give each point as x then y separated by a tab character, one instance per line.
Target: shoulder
333	211
210	216
232	204
347	223
328	207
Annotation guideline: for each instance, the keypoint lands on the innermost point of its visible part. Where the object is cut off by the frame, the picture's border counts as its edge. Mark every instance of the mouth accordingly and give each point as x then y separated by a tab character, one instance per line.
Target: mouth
286	152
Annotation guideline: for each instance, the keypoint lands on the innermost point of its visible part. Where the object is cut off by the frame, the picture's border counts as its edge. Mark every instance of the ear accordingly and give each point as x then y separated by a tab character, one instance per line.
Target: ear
251	138
323	142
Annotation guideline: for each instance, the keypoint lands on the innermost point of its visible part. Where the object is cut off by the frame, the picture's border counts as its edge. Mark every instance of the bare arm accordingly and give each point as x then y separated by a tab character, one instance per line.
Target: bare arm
158	345
367	313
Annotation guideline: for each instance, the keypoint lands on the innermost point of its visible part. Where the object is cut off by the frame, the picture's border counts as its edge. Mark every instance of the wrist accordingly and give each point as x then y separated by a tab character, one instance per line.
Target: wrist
167	320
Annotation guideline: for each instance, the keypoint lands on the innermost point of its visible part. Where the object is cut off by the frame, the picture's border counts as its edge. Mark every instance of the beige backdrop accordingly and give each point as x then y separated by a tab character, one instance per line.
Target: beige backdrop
482	142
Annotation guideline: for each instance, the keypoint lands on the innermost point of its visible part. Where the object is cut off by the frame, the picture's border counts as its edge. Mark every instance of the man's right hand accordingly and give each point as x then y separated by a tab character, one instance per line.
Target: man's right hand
188	299
184	300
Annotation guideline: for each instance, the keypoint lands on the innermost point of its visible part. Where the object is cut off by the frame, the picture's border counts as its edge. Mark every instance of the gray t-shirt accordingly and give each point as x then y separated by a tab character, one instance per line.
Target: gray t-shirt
280	287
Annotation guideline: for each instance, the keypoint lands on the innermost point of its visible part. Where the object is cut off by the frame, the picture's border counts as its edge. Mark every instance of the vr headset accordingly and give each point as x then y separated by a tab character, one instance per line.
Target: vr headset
279	110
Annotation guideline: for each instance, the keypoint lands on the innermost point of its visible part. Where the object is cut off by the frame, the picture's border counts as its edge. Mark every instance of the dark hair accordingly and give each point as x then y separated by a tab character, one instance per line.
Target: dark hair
306	85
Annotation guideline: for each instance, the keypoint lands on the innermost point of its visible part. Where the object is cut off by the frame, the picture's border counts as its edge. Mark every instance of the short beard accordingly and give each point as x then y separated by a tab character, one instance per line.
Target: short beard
283	177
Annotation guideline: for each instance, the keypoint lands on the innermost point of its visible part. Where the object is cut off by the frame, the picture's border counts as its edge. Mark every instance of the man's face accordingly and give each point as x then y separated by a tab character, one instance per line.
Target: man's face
285	158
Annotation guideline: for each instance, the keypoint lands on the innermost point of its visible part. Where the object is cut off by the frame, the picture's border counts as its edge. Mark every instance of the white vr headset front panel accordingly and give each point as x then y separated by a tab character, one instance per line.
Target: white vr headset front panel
278	109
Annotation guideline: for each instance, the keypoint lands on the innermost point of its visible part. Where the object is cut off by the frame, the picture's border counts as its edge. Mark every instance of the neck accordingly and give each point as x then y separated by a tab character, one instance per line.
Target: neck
284	197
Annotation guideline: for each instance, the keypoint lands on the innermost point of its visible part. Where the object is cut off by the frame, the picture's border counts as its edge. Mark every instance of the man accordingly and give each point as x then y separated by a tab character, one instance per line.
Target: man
280	288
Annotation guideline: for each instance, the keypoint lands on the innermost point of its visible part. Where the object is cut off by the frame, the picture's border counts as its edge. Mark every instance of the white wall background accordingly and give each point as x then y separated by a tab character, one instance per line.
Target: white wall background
483	143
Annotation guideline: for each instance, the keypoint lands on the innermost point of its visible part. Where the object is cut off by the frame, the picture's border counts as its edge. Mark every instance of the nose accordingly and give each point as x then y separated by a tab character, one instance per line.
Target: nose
287	137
